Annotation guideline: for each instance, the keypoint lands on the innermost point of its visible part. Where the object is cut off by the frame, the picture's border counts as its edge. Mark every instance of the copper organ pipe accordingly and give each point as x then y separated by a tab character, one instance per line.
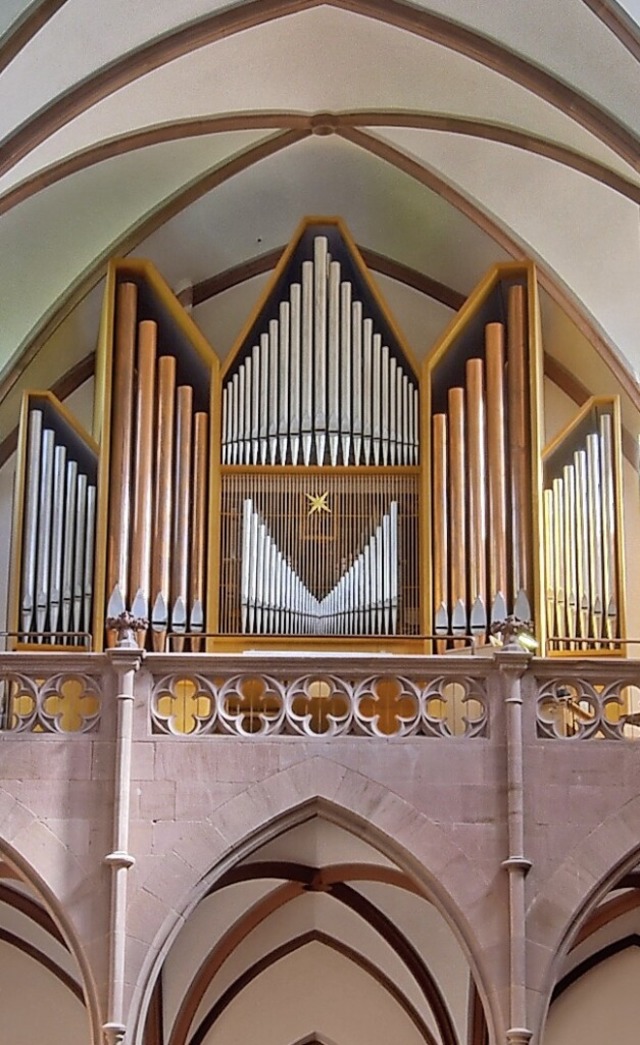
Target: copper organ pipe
497	479
198	528
143	463
458	508
118	531
477	484
519	443
163	506
180	537
440	521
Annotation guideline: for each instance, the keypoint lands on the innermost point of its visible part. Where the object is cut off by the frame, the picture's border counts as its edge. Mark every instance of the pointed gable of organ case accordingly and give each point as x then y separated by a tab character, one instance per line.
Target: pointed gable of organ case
320	487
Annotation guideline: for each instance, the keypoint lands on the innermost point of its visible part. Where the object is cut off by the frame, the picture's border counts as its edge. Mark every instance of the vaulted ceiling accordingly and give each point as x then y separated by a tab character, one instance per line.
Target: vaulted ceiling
448	134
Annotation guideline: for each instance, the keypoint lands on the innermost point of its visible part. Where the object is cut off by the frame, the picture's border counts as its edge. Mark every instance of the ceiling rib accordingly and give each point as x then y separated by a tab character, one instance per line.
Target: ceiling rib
126	243
424	24
618	22
232	939
25	28
510	245
202	126
31	909
44	960
292	945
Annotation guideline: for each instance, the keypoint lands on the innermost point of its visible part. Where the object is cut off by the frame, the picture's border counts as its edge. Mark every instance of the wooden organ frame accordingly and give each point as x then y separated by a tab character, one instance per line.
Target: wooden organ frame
199	371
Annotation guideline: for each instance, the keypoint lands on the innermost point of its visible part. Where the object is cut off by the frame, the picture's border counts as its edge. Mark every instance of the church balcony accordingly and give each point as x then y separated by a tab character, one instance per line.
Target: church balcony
320	696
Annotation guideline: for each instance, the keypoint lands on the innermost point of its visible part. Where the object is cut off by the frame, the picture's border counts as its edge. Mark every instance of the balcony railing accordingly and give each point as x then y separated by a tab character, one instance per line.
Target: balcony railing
321	695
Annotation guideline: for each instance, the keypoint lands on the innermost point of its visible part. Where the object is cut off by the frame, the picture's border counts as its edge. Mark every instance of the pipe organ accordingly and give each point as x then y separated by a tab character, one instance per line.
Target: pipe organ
582	532
319	487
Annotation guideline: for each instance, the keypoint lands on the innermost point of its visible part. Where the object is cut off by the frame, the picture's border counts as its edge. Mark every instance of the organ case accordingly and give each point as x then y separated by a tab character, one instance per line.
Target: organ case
320	459
317	487
52	600
156	417
584	606
481	428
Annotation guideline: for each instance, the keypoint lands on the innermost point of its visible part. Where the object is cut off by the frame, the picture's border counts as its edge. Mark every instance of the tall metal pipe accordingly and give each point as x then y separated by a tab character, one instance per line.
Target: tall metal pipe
119	514
44	530
458	503
139	575
594	494
198	551
519	442
30	535
476	457
356	343
163	503
320	273
57	537
345	370
609	587
333	360
306	333
294	411
440	494
180	539
496	461
68	557
284	327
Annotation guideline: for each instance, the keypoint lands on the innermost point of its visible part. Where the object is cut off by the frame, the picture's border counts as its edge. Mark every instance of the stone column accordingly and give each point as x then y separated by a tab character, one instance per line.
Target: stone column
126	659
512	662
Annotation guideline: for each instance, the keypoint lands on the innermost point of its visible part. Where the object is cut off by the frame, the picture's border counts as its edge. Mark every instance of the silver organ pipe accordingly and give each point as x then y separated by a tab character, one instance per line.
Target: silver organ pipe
306	420
345	369
356	335
56	592
285	343
275	600
30	537
44	529
60	469
333	375
367	354
320	385
294	397
264	395
320	272
274	379
580	541
69	538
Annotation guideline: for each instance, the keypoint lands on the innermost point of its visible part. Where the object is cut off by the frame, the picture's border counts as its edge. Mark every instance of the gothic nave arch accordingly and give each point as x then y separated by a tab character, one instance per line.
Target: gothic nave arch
415	845
23	890
576	901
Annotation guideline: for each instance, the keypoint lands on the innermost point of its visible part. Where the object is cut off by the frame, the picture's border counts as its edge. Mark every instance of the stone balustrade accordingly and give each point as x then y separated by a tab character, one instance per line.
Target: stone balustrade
321	695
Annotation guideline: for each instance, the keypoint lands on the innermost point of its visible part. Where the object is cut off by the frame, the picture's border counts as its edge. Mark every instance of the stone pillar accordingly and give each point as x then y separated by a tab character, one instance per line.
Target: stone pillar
126	659
512	663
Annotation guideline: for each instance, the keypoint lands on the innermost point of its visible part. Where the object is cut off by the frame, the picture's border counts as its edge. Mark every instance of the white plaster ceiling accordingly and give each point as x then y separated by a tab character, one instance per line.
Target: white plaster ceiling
446	197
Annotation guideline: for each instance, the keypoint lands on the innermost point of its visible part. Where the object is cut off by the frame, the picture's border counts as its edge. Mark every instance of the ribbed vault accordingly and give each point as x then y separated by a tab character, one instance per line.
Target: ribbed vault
198	134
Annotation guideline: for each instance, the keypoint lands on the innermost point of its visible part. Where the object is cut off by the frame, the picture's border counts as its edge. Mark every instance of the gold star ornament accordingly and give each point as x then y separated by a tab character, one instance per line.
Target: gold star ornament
318	503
